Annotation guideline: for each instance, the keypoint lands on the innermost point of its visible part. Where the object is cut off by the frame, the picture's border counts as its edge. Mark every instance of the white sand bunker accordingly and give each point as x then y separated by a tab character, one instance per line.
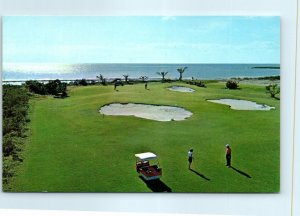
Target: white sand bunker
181	89
242	104
153	112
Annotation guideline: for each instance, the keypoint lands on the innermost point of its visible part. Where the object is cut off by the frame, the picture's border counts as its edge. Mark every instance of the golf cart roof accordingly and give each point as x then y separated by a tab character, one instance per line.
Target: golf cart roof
146	156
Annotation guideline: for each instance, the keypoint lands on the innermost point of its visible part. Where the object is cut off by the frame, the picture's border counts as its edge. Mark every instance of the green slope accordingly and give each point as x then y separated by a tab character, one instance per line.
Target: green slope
72	148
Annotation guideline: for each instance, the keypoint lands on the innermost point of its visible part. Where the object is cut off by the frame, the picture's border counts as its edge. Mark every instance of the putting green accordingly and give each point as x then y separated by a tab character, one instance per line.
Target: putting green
71	148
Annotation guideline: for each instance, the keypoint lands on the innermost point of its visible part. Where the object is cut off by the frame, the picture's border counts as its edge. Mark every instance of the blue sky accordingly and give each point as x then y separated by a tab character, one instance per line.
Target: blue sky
130	39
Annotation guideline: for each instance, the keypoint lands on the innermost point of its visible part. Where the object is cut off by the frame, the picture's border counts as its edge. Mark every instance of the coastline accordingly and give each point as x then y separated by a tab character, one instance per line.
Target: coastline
260	80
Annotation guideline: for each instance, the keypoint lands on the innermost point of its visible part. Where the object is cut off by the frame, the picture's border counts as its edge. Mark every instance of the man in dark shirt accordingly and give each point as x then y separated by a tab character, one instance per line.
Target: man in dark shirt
190	157
228	155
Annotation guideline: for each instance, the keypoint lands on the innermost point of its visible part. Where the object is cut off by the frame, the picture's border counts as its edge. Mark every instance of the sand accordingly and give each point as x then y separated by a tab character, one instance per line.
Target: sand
242	104
152	112
181	89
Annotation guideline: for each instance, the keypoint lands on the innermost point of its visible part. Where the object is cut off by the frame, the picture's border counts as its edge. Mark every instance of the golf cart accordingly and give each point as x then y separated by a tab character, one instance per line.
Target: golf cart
145	169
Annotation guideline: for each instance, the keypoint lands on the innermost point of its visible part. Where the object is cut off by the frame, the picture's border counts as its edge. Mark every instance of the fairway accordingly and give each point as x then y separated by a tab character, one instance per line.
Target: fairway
71	147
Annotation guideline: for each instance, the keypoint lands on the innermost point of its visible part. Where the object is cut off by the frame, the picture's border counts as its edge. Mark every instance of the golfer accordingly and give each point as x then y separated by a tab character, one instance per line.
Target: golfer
228	155
190	157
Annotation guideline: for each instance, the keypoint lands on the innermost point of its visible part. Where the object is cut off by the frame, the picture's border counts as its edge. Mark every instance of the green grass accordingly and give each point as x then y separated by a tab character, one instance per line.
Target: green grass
72	148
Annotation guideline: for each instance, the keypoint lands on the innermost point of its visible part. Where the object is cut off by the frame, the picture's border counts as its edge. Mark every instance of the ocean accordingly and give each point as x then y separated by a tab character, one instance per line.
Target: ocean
26	71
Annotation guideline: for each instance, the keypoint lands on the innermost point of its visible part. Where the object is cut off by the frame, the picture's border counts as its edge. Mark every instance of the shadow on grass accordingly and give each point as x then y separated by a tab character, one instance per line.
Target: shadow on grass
199	174
156	185
241	172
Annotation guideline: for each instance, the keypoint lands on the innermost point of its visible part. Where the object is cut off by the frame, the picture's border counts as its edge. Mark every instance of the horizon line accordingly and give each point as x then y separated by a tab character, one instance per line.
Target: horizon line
131	63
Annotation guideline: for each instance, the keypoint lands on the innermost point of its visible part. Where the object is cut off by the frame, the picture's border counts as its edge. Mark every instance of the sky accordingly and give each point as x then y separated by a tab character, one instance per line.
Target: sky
144	39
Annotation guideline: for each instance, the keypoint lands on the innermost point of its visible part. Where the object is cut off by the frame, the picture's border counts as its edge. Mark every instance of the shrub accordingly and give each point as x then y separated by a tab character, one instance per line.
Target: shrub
36	87
56	87
197	83
7	172
168	80
53	87
15	106
83	82
232	84
273	90
144	78
64	94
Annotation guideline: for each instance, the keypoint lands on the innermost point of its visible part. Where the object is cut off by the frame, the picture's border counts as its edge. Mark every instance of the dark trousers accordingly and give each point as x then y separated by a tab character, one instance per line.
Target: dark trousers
228	160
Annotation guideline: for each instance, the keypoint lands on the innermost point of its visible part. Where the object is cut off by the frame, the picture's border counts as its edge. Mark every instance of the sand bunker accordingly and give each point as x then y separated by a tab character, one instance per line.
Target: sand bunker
242	104
153	112
181	89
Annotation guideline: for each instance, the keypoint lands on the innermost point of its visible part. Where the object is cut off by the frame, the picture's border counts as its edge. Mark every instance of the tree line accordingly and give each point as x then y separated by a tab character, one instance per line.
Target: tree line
53	87
15	118
15	108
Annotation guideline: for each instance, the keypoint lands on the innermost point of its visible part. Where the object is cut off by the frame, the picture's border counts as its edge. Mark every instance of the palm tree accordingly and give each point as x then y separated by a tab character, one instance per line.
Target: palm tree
162	74
181	71
126	77
102	79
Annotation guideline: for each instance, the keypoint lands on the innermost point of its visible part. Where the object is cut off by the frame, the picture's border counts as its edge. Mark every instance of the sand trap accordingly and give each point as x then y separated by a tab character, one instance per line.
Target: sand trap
153	112
242	104
181	89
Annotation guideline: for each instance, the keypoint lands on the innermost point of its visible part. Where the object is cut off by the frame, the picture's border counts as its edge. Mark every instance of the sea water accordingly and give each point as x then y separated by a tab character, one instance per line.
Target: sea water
26	71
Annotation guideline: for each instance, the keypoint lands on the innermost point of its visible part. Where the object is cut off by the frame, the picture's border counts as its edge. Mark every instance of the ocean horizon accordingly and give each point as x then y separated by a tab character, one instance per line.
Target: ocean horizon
50	71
